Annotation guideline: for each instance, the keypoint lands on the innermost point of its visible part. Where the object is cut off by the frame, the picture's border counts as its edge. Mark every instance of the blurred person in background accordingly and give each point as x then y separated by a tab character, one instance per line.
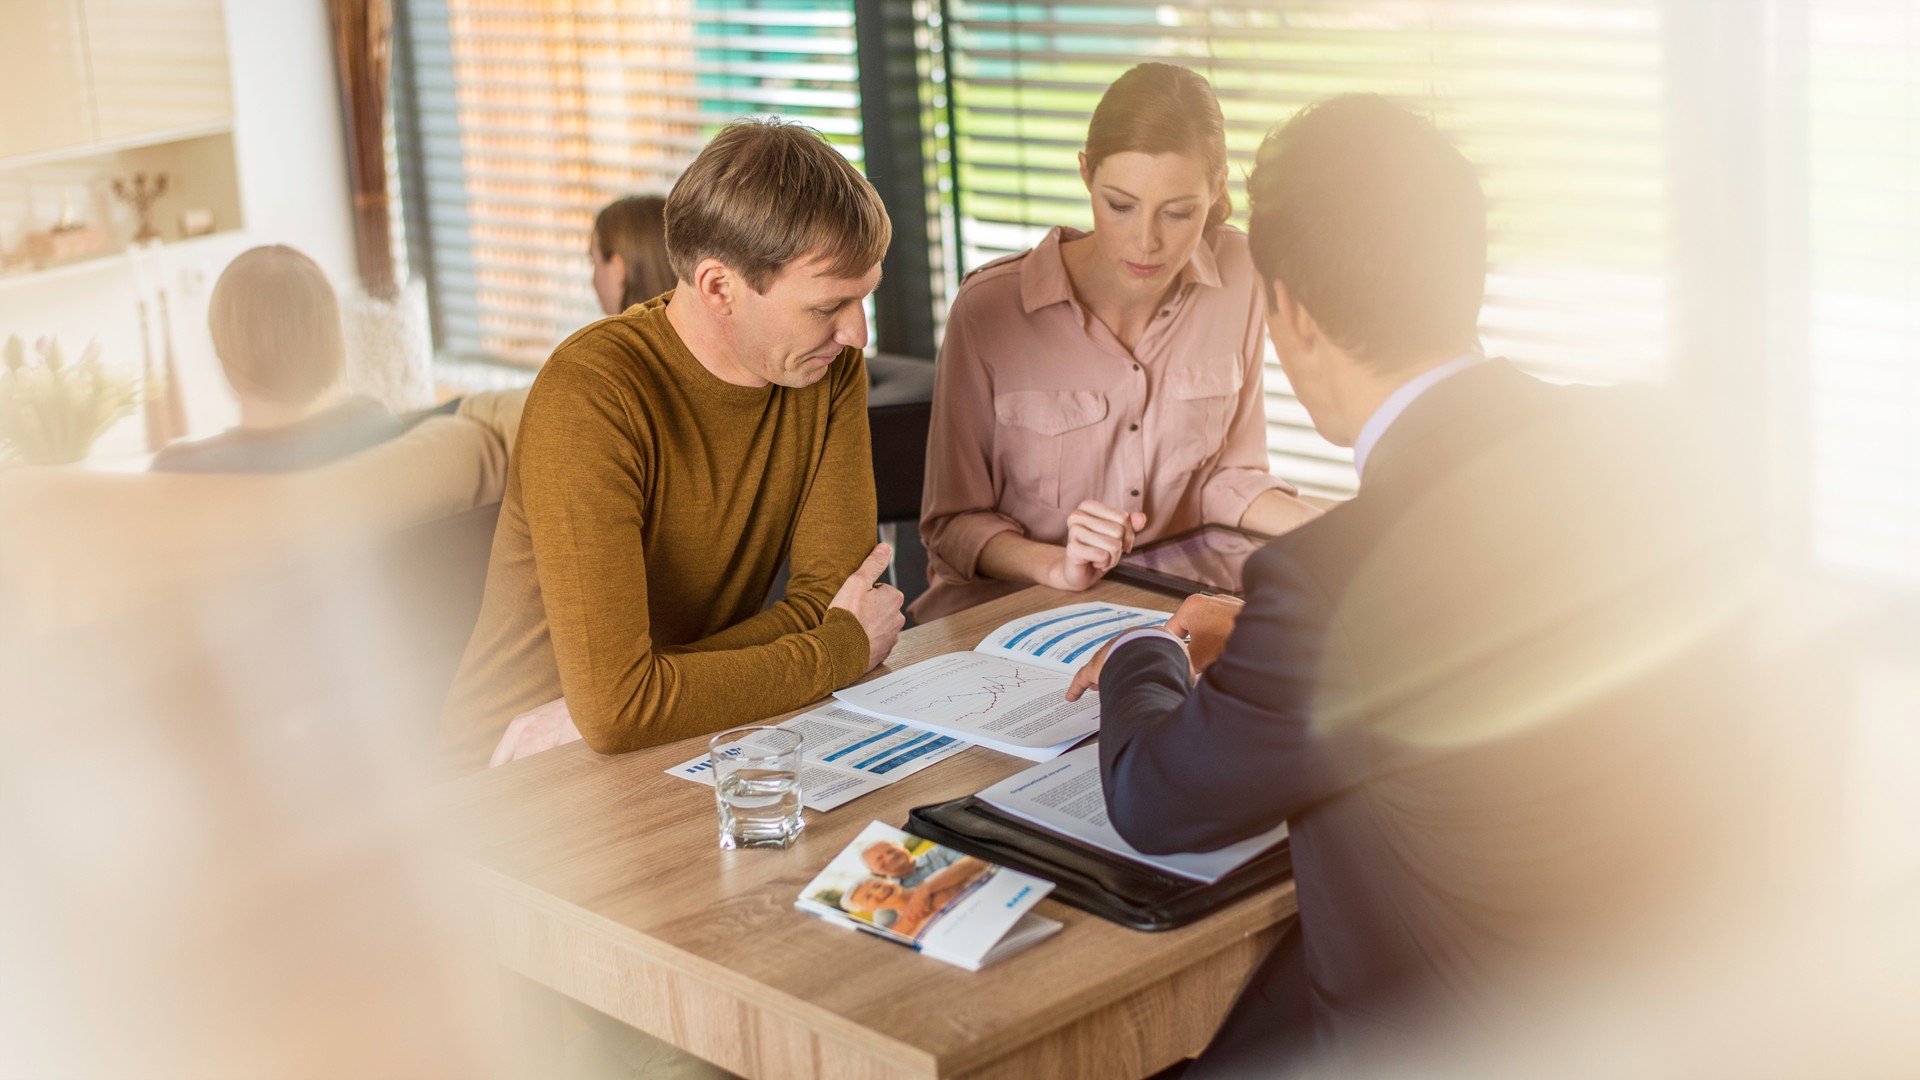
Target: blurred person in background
628	250
276	328
1497	696
1104	388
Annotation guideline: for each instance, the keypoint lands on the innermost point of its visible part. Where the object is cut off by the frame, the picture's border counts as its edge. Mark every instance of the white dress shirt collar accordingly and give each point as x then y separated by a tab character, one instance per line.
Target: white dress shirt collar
1397	403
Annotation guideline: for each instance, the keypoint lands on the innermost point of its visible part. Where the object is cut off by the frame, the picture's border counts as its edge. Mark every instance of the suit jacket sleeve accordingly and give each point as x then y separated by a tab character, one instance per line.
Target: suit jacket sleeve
1198	768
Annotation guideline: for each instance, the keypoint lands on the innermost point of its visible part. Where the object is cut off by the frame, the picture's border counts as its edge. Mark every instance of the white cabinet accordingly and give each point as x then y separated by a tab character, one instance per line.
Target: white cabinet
157	65
79	72
46	102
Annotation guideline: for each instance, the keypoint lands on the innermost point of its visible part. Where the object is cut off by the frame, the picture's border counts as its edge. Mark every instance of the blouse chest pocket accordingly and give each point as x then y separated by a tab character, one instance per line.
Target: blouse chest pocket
1200	401
1042	433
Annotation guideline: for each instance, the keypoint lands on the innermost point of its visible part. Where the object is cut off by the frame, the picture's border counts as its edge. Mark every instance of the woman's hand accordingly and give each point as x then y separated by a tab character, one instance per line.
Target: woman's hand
1097	536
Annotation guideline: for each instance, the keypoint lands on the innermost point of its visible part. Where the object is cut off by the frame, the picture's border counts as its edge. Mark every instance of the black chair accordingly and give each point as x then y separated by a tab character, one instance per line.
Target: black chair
899	410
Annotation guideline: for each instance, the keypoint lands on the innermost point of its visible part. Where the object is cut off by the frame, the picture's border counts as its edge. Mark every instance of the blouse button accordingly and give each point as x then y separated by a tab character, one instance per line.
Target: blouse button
1135	493
1136	367
1133	427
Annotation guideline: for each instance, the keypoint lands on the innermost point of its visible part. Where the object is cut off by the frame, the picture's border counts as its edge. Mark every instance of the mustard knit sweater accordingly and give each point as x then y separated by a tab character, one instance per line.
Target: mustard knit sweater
649	506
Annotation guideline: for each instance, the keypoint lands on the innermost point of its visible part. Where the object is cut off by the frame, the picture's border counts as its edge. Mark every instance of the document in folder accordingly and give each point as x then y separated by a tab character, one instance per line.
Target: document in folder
1064	795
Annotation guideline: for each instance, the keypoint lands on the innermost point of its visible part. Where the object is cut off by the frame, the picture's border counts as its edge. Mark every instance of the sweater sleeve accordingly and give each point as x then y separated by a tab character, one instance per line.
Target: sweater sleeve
584	477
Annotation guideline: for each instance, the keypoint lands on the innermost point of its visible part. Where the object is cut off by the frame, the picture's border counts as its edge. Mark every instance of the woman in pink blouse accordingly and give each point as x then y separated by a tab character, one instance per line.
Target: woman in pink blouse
1103	388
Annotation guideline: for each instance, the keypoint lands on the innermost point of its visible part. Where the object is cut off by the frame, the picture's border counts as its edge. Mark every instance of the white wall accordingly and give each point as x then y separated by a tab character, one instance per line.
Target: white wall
293	187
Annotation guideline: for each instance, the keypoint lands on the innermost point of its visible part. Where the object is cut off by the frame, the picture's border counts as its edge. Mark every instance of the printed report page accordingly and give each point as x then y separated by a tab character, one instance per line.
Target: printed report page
1064	638
1014	707
846	754
1064	795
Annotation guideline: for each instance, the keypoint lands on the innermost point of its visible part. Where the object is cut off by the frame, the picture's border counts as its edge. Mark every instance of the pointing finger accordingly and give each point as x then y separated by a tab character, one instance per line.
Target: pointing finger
1081	683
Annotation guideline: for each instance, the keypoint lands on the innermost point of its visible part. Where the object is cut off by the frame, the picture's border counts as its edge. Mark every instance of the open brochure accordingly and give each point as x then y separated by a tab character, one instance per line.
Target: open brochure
1065	797
1009	693
844	755
953	907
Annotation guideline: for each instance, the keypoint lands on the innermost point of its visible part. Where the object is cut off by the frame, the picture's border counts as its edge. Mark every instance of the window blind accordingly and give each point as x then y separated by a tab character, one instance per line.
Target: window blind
530	115
1559	104
1862	389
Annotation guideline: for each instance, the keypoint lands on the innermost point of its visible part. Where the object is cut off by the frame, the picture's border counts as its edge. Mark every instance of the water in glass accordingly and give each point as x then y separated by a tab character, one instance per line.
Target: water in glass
759	807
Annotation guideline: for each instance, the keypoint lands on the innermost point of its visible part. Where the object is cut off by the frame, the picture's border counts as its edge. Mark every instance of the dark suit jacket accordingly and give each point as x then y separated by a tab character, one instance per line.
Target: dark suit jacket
1477	692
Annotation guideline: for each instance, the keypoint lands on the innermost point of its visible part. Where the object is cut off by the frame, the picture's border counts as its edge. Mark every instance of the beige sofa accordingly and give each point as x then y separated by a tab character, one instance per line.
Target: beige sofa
79	546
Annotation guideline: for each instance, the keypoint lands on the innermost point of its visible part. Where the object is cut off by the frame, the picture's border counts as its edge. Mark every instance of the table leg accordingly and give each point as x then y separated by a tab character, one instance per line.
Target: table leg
536	1041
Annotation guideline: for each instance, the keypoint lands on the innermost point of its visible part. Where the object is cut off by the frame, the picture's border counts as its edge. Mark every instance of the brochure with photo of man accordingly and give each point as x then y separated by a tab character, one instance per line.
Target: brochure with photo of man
1009	693
953	907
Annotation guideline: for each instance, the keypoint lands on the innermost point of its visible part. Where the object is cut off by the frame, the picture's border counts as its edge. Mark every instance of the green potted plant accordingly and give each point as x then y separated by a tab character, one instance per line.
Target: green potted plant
52	411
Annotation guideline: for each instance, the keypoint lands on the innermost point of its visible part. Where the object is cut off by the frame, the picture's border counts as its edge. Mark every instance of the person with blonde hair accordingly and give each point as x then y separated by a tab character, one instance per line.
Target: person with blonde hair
276	328
672	457
1104	388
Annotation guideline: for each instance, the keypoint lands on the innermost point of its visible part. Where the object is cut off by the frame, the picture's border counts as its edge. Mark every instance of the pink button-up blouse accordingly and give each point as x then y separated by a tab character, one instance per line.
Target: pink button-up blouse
1037	407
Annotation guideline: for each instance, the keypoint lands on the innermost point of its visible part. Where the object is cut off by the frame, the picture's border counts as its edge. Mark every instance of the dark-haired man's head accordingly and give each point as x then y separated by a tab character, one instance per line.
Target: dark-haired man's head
1369	229
776	241
276	328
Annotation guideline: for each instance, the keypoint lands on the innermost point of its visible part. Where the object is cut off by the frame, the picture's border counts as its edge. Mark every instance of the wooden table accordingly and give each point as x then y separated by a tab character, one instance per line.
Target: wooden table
602	880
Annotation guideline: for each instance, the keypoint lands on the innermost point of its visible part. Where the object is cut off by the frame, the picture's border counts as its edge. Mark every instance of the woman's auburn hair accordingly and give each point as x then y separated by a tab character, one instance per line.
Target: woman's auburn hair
1163	109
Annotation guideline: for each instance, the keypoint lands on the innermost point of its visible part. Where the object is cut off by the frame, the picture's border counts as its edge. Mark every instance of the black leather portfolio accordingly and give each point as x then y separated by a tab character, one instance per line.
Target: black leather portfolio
1114	888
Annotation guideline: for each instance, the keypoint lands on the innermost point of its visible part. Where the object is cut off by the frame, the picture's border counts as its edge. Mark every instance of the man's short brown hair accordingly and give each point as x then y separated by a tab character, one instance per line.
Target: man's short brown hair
1378	227
766	192
276	326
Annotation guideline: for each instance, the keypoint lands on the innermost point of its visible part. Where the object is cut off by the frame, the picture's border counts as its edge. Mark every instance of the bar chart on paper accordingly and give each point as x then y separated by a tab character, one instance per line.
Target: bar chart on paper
1066	637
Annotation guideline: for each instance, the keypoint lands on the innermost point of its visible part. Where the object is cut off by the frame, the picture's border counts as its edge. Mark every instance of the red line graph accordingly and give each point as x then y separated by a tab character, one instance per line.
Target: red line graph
991	688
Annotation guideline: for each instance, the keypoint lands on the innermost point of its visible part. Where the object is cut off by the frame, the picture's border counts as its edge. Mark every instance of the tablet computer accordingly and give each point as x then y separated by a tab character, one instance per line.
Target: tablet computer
1208	559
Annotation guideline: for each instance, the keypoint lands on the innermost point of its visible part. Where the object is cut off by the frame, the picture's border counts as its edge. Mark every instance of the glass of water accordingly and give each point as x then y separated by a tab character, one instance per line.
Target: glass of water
756	780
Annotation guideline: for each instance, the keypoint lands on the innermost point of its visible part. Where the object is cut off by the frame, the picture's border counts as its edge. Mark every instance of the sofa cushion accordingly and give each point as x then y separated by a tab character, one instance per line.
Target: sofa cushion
498	411
81	545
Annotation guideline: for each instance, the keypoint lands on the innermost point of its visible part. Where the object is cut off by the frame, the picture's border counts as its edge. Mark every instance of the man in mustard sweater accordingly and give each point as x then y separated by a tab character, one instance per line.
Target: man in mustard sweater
672	457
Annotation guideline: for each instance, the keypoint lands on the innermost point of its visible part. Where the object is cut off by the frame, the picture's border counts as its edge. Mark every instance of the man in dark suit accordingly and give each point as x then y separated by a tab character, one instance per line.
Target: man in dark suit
1483	693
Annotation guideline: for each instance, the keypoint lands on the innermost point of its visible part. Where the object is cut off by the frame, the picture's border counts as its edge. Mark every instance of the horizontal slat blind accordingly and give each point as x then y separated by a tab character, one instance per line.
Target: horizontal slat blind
532	114
1559	104
1863	385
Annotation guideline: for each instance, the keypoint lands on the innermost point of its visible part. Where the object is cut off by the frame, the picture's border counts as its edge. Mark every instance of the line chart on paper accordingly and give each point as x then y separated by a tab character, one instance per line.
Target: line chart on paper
987	697
992	701
960	687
